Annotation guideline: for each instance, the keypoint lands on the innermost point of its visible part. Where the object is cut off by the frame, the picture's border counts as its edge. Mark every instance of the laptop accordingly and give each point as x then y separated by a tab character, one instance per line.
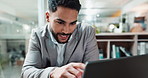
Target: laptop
125	67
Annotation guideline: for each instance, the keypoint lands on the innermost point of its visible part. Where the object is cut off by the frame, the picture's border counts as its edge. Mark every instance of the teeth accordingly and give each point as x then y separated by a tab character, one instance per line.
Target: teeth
63	35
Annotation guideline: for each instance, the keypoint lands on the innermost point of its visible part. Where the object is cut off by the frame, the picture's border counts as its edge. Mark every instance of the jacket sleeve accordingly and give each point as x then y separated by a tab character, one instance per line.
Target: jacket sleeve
32	67
91	51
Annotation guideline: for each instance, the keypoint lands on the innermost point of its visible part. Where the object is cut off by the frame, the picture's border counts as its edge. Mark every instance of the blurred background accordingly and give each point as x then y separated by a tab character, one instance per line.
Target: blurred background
19	17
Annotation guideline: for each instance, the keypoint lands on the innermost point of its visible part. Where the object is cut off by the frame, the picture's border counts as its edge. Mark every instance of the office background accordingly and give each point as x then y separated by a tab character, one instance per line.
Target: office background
19	17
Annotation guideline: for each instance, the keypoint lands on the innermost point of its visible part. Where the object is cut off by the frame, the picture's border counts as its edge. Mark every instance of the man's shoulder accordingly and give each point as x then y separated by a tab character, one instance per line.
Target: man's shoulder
40	31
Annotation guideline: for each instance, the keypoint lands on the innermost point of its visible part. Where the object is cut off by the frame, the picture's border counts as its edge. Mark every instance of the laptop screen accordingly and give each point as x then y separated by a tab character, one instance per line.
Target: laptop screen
125	67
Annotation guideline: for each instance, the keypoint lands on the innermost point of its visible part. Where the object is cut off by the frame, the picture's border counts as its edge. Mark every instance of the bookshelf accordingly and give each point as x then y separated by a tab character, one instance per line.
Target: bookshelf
131	42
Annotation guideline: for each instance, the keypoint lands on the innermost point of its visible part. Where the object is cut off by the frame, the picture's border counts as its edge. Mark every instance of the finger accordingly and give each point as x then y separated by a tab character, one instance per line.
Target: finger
68	75
80	70
73	71
80	74
78	65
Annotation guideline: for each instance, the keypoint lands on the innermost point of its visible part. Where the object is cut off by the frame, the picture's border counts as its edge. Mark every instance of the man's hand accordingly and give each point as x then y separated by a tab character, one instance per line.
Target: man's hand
71	70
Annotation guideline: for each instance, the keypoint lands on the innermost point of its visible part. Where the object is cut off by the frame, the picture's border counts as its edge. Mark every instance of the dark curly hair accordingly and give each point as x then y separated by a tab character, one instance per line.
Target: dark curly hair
72	4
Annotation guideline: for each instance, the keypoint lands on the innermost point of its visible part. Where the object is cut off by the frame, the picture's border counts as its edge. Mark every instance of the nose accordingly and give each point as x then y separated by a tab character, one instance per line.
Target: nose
66	29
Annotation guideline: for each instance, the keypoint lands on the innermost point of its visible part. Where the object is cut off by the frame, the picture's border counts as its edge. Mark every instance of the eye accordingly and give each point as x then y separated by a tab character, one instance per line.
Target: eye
73	23
60	22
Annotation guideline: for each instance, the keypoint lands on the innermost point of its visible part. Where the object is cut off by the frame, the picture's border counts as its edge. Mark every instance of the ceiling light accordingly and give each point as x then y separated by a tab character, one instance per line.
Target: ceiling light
98	15
18	30
26	27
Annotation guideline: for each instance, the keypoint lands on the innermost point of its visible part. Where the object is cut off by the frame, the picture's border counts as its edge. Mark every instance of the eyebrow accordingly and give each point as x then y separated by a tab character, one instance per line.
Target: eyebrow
61	20
65	21
74	21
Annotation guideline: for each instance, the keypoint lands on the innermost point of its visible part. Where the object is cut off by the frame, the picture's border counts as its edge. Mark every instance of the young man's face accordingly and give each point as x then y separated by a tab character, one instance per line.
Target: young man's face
63	23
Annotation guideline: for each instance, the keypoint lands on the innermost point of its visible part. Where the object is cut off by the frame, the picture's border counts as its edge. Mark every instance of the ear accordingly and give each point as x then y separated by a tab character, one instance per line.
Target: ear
47	16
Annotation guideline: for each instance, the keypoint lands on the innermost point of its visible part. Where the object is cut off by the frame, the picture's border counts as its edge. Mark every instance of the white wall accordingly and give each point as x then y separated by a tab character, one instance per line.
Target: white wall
132	4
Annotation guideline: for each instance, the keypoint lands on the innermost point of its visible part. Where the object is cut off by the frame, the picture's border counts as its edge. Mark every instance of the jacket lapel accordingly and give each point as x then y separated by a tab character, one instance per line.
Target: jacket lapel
71	46
50	47
52	51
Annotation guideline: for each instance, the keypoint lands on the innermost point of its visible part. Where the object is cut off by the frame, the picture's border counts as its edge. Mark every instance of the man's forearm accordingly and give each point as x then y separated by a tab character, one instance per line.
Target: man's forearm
32	72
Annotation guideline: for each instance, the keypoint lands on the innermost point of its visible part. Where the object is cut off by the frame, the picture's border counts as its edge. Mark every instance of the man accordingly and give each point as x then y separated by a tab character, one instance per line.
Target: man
60	49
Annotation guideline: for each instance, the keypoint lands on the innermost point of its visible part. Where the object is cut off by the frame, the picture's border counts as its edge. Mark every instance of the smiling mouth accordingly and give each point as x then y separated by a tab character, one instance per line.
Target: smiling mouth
63	37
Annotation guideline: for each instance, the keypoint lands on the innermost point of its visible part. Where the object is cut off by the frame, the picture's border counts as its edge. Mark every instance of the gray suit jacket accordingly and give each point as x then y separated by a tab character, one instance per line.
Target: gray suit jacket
42	53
